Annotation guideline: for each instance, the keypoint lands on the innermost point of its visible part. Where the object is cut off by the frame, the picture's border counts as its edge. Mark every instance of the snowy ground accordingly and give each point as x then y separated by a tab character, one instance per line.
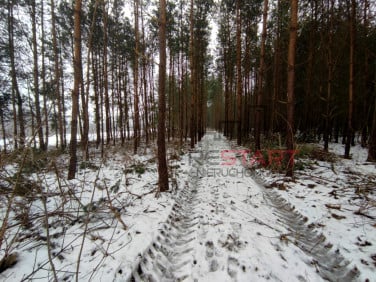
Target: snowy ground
339	199
218	224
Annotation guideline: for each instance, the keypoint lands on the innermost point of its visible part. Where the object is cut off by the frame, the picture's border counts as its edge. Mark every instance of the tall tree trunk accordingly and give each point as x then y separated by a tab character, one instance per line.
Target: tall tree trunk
306	119
15	89
136	121
350	130
276	71
366	79
57	76
193	81
372	137
226	130
239	84
45	109
105	78
291	85
77	64
85	95
260	81
144	79
330	78
39	127
162	162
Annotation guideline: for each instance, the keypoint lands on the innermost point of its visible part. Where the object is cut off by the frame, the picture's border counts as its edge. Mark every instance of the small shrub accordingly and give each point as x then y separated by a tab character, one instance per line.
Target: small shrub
321	155
22	186
88	165
32	166
305	150
8	261
139	169
128	170
299	165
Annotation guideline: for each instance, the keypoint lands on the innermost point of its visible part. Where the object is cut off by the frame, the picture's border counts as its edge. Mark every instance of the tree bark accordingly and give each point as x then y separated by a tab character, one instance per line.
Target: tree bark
350	129
136	121
192	78
276	71
162	162
105	75
372	137
330	78
260	81
85	94
144	80
77	64
17	99
43	73
39	127
239	84
290	86
57	77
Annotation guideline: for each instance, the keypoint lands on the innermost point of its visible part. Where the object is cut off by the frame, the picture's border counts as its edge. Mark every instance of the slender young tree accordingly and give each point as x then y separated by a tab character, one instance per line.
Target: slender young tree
330	65
38	116
43	73
162	162
239	81
57	76
276	67
144	71
372	137
84	96
290	85
260	81
350	129
77	64
192	78
105	74
136	121
16	94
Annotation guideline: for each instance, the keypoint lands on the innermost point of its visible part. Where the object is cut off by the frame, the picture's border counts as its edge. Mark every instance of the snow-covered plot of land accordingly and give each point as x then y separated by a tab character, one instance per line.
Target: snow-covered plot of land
338	198
110	211
219	223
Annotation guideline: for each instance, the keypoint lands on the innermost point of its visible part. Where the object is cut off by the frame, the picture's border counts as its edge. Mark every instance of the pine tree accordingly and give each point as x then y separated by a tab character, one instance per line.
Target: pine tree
290	85
77	63
162	162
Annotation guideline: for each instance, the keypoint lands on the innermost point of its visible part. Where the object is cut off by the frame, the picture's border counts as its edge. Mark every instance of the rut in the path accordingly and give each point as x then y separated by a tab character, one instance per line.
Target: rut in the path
169	257
330	264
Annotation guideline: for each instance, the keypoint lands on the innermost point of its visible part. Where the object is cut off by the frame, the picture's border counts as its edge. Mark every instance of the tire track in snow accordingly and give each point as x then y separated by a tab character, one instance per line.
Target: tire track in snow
331	265
169	256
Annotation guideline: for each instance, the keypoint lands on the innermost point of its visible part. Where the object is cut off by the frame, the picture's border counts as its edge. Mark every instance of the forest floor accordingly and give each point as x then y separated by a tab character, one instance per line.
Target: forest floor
224	220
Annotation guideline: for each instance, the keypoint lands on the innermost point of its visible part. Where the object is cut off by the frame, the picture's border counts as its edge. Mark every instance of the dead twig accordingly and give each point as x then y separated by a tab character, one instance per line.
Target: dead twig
115	210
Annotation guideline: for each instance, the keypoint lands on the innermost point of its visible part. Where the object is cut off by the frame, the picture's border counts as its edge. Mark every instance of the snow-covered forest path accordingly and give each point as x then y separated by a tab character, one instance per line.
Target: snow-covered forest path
224	226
